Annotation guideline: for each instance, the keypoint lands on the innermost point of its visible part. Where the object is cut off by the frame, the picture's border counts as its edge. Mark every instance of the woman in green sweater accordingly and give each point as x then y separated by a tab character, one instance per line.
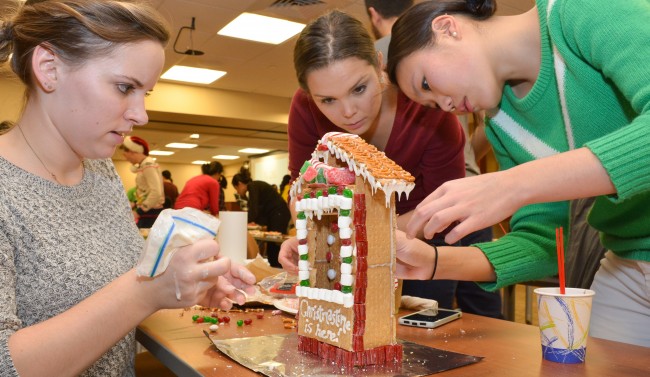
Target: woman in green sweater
567	91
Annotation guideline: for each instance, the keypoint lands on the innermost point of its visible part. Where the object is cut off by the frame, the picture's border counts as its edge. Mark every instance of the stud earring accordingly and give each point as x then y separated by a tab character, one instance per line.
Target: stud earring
454	34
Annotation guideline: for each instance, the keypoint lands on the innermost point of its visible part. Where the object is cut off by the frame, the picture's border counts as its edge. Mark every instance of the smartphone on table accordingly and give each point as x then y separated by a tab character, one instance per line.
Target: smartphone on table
430	318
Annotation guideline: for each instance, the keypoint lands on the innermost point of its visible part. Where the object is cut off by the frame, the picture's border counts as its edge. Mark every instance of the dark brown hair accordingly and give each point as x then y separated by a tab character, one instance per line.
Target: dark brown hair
212	168
331	37
412	31
389	8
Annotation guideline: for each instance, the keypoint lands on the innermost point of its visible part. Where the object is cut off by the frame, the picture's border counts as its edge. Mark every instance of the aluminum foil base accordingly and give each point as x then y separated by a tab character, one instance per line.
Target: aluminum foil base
278	355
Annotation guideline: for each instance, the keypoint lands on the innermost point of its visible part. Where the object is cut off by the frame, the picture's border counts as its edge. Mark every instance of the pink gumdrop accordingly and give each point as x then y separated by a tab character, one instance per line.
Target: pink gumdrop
340	176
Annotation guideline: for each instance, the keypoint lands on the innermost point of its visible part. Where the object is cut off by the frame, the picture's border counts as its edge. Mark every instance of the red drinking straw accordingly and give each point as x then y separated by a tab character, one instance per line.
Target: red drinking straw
559	241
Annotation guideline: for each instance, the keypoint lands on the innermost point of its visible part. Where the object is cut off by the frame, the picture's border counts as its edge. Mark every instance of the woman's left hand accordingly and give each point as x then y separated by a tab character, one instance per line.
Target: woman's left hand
470	203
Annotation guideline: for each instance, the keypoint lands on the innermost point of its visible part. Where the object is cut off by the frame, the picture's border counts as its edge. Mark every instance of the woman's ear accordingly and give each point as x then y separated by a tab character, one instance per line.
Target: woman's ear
445	25
44	68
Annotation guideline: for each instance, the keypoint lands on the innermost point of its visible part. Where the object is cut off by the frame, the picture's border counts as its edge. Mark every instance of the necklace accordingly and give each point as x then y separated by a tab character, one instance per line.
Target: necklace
35	154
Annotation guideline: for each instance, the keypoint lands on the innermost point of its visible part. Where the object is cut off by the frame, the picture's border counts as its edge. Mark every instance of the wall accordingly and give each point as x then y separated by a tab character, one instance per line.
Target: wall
11	99
270	169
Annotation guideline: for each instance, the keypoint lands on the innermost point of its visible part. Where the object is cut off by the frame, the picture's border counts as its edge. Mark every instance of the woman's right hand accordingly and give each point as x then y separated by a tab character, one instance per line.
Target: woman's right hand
415	258
190	276
288	256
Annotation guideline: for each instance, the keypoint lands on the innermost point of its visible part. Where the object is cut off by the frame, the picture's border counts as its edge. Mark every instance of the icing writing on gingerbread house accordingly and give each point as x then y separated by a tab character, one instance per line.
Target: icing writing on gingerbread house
345	228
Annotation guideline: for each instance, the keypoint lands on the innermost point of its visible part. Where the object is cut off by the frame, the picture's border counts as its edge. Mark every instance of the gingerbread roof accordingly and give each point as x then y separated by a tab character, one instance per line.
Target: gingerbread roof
363	159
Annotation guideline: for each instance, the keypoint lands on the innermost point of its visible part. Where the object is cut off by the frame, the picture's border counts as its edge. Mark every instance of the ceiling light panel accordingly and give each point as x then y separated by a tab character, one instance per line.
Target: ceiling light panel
181	145
161	153
192	74
253	150
225	157
259	28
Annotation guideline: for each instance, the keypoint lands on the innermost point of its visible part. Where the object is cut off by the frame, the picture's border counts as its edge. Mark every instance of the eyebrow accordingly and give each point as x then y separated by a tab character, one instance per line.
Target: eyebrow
356	84
134	80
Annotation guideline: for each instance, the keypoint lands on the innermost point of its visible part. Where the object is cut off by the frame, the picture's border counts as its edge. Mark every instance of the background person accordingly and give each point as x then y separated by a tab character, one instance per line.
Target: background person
285	186
170	189
203	192
383	14
68	243
553	64
265	207
148	180
466	295
223	184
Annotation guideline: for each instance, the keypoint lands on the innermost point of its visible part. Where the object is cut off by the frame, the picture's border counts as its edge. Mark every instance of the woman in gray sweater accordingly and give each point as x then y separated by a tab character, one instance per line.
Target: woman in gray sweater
68	243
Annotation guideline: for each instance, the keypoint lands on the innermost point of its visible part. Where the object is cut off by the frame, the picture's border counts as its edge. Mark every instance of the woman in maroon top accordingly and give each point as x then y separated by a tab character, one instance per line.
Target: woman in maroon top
203	191
343	89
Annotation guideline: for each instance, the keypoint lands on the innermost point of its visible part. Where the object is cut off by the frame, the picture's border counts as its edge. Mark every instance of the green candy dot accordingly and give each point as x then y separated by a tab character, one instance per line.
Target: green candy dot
319	193
346	289
301	215
344	212
304	257
346	260
195	317
348	193
240	323
304	283
331	190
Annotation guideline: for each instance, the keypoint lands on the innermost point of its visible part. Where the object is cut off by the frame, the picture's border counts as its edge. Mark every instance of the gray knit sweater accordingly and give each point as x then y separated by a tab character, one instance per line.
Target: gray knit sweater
58	245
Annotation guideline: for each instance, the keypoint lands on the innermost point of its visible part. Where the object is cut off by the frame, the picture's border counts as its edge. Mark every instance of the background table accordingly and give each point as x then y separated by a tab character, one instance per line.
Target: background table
510	349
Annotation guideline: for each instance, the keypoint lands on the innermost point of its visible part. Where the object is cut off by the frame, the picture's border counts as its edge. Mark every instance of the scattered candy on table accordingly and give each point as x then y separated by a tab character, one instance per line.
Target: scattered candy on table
214	318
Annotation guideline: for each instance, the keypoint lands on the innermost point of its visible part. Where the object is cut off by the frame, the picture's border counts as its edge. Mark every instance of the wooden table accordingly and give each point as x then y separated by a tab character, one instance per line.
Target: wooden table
510	349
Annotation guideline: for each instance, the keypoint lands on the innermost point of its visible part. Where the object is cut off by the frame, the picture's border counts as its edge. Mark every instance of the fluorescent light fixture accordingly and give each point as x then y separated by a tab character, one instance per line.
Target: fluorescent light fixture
195	136
181	145
192	74
253	150
259	28
161	153
200	162
225	157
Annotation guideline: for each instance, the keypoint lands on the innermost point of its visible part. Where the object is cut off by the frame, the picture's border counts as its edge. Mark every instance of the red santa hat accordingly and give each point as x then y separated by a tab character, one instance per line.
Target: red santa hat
136	144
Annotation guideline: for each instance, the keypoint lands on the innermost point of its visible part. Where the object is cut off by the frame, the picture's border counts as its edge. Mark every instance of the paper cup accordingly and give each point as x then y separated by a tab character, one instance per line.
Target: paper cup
233	235
564	323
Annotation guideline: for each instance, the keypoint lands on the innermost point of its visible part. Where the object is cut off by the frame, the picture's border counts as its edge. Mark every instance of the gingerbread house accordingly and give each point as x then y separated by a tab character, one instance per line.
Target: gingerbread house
346	232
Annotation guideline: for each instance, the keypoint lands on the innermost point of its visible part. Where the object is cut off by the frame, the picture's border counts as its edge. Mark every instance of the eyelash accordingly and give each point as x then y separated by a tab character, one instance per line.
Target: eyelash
357	90
425	85
125	88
